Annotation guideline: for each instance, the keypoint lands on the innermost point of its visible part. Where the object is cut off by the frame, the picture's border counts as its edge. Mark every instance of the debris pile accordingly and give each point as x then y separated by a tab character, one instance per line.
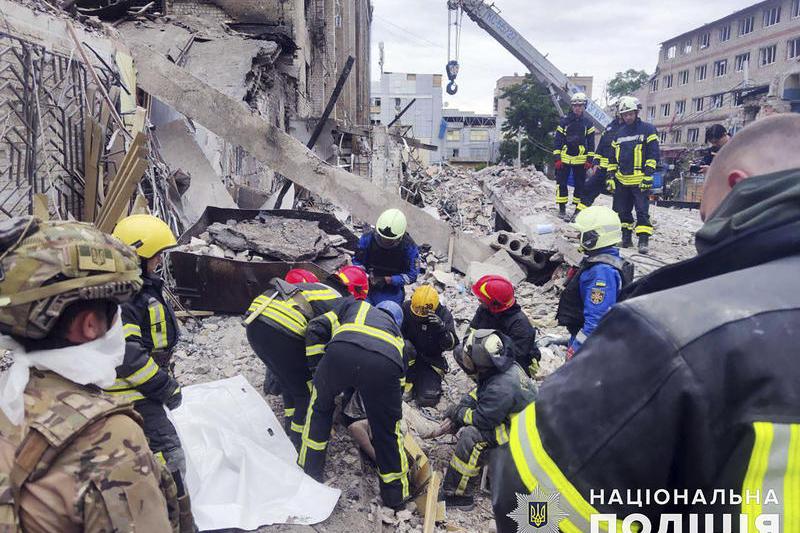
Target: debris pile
270	238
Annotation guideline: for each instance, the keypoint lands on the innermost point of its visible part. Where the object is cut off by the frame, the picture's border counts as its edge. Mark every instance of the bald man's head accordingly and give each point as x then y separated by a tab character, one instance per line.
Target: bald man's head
769	145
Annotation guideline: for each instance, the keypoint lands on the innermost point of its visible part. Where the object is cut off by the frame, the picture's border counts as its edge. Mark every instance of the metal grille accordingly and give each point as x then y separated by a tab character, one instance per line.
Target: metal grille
43	105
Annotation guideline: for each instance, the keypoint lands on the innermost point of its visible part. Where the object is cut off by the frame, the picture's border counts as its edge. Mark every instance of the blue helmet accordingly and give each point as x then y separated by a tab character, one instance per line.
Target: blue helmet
393	309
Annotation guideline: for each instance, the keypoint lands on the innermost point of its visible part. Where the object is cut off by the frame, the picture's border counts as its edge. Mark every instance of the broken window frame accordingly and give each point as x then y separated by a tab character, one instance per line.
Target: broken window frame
741	60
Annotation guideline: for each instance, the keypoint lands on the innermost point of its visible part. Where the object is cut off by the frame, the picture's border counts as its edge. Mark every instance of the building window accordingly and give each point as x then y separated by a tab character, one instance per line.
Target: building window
454	135
398	103
720	68
767	55
795	8
698	104
693	135
665	110
663	136
668	81
680	107
654	85
704	41
717	101
671	52
746	25
700	73
793	48
725	33
455	152
683	77
772	16
676	136
479	135
377	102
741	61
651	112
687	46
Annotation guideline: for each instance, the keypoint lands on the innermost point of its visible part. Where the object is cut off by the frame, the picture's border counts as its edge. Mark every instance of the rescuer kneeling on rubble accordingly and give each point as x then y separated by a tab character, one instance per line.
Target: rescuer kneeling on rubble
483	415
593	288
499	310
276	330
390	256
151	334
363	350
429	331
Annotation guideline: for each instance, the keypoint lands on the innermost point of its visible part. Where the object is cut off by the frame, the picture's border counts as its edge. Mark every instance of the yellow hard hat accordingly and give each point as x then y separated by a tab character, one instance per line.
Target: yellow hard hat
600	227
147	234
425	300
391	224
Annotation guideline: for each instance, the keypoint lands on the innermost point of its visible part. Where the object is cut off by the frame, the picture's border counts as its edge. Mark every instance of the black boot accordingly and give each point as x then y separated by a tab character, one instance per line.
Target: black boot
627	238
644	244
462	503
562	210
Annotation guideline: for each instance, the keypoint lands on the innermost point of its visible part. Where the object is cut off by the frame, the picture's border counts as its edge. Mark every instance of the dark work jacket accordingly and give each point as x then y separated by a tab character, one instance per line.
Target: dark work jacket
287	315
693	380
425	341
151	333
514	324
399	262
603	153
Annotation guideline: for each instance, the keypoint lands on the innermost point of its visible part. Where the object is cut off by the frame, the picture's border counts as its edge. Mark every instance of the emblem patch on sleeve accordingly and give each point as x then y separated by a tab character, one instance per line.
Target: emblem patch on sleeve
598	295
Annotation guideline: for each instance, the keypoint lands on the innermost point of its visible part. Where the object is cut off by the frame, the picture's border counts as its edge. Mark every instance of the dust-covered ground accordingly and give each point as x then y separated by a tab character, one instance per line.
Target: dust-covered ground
217	348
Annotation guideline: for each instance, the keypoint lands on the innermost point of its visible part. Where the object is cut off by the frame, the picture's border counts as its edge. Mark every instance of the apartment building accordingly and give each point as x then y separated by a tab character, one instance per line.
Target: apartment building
471	139
728	71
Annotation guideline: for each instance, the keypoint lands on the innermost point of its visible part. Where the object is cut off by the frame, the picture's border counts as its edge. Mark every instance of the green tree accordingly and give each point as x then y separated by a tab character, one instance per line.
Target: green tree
531	113
627	82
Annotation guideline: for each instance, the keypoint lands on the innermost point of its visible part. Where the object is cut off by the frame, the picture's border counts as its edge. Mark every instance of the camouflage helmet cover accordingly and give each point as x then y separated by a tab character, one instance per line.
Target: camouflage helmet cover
45	266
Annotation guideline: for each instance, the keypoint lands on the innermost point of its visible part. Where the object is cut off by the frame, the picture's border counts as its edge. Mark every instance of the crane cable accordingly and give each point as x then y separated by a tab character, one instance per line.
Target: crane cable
455	17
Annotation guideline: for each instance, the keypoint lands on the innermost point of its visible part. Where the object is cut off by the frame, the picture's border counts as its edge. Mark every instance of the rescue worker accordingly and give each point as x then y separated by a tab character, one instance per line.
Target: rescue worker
692	376
499	310
592	289
483	415
634	157
151	334
601	179
363	349
71	458
429	331
574	153
390	256
276	332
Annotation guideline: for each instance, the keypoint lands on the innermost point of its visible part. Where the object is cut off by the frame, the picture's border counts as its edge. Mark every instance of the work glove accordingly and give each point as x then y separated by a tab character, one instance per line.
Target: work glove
434	321
174	401
611	184
533	368
376	282
647	184
570	352
588	165
452	413
559	164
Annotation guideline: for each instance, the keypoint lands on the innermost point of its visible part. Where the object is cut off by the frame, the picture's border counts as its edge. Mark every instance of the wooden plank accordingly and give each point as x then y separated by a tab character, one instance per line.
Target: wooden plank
135	153
41	206
420	466
118	207
430	506
91	168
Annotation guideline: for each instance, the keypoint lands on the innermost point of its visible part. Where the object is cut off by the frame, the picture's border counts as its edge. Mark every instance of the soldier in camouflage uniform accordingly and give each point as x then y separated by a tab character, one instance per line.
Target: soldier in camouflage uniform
71	458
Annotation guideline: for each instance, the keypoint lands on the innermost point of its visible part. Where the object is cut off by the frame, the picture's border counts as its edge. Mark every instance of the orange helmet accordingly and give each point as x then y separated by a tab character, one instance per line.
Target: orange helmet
356	281
495	292
298	275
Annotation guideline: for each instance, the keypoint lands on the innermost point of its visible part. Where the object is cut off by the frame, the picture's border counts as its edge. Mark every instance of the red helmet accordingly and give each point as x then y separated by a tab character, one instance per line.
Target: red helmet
495	292
298	275
356	281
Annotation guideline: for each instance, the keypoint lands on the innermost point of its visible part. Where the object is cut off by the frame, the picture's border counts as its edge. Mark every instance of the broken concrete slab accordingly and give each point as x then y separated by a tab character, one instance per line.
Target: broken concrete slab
180	152
500	264
284	239
231	120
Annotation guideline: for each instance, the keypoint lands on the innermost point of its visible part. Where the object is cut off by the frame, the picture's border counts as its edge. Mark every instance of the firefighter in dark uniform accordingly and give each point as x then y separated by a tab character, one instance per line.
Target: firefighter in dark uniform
151	334
593	288
573	152
390	256
499	310
482	417
689	385
634	157
276	330
601	179
363	349
429	331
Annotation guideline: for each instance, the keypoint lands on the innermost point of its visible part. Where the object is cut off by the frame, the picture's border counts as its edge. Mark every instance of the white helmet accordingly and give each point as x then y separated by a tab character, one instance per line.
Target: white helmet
579	99
627	104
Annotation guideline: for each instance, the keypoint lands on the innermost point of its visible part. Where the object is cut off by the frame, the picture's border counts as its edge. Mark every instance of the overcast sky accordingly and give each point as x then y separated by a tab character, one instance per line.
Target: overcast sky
600	38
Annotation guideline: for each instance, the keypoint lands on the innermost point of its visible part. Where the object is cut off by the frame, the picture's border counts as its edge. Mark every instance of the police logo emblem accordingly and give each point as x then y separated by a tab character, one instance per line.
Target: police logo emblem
597	296
538	512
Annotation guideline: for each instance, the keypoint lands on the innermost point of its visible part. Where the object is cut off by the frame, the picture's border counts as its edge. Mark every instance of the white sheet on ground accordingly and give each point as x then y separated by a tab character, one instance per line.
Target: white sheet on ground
241	470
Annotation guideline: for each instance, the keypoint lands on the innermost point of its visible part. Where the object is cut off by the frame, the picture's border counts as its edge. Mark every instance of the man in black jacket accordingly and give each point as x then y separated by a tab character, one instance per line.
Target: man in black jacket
689	385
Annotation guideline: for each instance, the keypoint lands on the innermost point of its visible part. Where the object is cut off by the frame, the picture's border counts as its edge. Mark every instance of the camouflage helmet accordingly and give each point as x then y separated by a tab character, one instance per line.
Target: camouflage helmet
45	266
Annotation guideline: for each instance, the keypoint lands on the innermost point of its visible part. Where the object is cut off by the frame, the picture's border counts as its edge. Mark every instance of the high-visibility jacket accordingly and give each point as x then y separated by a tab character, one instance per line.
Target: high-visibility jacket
602	154
574	140
358	323
634	153
291	315
151	333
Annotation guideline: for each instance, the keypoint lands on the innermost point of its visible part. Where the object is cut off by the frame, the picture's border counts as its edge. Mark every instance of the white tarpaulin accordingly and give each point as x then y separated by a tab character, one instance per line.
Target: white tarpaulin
241	470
